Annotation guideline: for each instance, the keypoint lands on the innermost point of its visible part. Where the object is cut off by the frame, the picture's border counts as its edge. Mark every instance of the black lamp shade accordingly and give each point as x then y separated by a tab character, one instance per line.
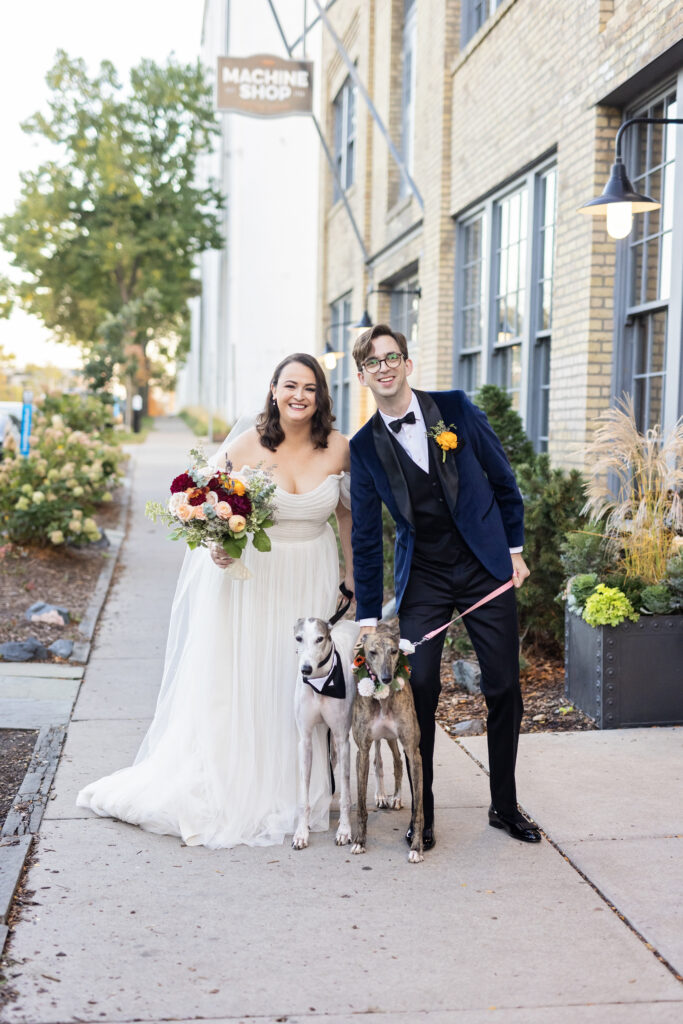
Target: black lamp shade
365	322
619	190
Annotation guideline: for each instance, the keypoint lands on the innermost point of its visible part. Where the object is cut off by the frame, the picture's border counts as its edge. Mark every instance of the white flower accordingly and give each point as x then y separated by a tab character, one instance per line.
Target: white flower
176	500
366	687
406	647
38	496
203	474
382	691
400	682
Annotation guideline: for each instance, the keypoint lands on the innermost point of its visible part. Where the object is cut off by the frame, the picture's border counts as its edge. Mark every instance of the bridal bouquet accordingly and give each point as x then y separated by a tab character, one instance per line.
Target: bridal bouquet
209	505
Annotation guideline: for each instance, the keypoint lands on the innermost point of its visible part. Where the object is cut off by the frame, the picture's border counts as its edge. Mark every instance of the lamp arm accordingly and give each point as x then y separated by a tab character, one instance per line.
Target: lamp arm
639	120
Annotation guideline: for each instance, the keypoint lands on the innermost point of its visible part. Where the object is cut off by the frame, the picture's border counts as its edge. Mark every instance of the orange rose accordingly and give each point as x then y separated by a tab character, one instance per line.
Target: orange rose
238	487
447	440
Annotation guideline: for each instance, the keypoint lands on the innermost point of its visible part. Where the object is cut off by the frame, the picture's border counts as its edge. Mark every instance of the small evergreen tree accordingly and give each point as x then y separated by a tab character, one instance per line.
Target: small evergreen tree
507	423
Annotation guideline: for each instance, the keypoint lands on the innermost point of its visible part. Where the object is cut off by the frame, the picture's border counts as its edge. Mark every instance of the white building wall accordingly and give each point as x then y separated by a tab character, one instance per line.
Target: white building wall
259	296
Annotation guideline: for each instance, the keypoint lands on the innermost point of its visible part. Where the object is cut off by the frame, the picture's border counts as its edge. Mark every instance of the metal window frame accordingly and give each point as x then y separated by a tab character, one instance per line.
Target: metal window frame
485	208
622	358
341	376
408	47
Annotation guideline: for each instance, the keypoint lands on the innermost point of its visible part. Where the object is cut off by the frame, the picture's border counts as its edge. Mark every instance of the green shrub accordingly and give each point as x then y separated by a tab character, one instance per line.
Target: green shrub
608	606
553	500
585	551
580	589
197	420
674	578
90	413
631	586
49	497
657	599
497	404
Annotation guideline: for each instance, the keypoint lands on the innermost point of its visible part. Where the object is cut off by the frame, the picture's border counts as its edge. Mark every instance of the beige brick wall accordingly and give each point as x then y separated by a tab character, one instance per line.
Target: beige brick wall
530	81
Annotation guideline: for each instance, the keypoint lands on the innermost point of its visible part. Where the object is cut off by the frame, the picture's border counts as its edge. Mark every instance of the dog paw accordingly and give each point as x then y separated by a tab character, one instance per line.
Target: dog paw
381	800
342	838
415	857
358	848
396	803
300	841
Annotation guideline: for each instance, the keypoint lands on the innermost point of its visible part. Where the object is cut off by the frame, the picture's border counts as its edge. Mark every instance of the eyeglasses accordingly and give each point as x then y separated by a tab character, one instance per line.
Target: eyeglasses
392	360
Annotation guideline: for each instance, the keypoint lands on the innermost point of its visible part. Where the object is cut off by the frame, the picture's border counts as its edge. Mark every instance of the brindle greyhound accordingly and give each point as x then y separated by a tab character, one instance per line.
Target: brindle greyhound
391	718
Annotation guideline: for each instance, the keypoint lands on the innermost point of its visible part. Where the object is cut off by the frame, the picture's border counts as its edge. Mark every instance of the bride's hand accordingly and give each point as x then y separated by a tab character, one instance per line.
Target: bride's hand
219	556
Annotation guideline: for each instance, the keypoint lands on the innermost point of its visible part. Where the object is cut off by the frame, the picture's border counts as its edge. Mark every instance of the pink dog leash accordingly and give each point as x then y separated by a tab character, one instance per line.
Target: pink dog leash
484	600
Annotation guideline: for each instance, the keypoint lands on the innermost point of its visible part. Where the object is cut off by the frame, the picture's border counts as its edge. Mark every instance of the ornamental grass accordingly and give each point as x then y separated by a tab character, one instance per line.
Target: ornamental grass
634	488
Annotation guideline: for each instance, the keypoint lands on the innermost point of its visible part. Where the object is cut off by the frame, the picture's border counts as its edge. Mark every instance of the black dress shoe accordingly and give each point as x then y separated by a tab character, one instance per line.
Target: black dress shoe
519	827
428	837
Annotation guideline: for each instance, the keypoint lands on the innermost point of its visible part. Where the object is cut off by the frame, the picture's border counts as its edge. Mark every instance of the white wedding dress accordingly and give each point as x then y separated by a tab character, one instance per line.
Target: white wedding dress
219	764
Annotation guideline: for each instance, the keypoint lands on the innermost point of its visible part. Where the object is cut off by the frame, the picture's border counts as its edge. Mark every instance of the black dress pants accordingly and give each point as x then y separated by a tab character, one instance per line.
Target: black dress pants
434	590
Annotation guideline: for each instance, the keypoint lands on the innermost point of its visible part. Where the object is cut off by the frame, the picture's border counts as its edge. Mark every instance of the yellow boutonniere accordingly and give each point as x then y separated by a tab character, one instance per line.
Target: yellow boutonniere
445	437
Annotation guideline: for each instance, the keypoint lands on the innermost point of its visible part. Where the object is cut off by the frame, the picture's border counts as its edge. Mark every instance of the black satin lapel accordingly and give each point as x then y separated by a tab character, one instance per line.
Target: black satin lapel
392	467
448	470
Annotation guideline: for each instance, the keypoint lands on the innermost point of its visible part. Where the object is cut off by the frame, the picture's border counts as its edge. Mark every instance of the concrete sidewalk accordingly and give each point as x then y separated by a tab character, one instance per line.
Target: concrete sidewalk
130	926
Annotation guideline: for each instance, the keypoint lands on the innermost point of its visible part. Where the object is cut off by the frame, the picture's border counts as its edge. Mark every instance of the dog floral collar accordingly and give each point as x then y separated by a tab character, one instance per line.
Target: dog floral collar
368	683
445	436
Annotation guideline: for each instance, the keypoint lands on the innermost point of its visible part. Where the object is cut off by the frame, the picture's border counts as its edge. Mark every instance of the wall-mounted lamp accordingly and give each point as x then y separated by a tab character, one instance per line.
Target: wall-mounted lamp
619	200
365	322
330	356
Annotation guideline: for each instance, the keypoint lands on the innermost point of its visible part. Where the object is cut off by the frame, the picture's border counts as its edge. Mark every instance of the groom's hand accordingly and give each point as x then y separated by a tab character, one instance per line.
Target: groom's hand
519	570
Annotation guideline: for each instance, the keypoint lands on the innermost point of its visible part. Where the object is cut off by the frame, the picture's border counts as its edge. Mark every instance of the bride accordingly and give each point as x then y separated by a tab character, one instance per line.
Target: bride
218	766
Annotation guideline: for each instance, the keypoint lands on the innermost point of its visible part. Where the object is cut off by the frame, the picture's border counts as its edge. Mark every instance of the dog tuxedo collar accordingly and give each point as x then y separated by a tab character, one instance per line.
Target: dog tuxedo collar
332	684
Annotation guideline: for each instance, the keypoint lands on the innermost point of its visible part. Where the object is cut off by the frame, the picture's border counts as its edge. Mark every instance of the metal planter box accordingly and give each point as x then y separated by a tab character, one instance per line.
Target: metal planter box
626	675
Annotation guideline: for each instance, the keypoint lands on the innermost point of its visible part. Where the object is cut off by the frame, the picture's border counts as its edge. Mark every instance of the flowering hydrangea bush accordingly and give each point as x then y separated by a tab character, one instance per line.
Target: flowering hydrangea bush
50	497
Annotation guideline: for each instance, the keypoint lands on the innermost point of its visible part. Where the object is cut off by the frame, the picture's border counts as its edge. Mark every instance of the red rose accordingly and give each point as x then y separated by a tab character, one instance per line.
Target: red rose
181	483
240	505
197	496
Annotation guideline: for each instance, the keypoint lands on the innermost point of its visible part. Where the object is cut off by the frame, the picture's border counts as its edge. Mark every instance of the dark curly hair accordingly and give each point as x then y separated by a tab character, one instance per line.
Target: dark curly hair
268	424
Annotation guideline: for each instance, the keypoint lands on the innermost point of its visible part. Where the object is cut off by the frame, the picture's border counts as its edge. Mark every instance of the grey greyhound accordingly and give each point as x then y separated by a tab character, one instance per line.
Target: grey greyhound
384	709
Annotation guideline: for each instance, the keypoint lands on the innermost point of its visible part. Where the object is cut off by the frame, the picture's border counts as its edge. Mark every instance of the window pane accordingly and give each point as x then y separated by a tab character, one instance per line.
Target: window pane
511	256
647	336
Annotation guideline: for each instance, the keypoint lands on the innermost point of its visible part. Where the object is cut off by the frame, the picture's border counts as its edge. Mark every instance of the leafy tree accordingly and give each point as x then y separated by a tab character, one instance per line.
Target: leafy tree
108	231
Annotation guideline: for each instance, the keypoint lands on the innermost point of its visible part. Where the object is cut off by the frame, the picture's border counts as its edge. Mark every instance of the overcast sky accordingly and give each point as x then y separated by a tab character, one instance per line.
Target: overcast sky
32	31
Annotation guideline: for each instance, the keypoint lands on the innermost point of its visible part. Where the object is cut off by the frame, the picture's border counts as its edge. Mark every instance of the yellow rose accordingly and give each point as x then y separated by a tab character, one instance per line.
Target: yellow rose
447	440
238	487
237	523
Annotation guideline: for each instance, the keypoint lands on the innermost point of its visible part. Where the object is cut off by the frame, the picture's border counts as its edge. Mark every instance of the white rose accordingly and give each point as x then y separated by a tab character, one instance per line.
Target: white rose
382	691
366	687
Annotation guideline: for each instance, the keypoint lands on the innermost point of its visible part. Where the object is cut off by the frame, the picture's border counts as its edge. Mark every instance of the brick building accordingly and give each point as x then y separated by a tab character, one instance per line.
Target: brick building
505	114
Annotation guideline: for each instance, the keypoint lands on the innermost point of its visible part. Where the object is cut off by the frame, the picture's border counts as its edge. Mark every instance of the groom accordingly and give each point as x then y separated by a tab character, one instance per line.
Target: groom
459	534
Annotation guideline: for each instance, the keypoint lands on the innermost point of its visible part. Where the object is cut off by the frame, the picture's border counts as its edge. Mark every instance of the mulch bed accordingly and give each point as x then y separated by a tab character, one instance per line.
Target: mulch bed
546	709
61	576
16	748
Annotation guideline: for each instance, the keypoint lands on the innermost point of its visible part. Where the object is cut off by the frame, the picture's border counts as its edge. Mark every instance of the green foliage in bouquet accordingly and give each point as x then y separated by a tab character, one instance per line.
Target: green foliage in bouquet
608	606
49	497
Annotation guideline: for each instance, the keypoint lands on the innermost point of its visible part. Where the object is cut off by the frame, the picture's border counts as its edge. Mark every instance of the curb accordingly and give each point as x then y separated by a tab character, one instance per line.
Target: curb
23	821
86	628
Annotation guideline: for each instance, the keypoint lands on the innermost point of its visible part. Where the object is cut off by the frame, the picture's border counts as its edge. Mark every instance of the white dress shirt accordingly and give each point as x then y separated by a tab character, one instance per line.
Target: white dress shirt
413	439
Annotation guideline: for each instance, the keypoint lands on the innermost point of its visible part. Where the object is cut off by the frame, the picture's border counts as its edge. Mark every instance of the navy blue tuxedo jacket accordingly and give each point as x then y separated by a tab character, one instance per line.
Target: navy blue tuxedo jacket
478	483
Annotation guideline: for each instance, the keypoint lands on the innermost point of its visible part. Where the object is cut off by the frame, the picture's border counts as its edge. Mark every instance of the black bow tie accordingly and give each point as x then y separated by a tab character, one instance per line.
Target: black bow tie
397	424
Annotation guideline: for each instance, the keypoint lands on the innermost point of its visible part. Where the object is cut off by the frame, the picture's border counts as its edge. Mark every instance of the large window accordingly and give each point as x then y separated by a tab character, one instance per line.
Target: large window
340	379
650	329
504	296
405	302
474	13
408	88
345	136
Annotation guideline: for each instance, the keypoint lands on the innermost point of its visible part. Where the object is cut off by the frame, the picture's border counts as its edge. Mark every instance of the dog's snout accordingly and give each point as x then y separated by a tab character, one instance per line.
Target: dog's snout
306	669
386	678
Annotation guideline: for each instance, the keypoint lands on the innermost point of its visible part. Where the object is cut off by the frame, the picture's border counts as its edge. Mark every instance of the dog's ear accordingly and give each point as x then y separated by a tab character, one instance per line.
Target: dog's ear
298	625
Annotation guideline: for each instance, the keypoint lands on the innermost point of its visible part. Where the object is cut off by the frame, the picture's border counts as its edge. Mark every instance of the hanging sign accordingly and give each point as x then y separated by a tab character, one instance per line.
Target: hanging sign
265	85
